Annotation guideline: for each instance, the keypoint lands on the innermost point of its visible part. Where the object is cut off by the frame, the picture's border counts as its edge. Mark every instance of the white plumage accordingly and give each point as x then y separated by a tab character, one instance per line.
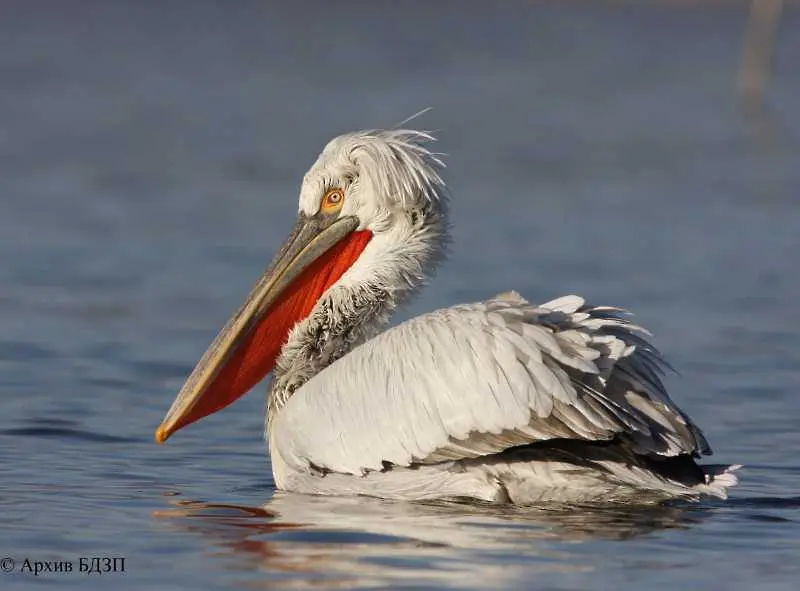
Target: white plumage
499	400
476	380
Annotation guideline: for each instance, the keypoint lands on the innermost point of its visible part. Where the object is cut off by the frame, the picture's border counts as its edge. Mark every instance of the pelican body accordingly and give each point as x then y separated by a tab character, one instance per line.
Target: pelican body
499	401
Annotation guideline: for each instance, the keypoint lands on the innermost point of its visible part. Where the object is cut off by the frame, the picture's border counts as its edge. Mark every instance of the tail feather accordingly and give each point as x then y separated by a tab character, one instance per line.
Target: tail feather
719	478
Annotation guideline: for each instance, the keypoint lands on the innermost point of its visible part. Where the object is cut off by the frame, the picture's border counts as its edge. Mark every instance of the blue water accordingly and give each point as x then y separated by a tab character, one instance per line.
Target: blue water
150	156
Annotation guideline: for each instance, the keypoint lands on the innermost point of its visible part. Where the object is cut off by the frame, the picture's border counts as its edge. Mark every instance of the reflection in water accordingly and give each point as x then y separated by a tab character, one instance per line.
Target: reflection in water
356	541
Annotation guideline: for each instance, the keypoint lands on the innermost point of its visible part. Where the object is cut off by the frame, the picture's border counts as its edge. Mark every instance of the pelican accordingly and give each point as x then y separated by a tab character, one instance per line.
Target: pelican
498	401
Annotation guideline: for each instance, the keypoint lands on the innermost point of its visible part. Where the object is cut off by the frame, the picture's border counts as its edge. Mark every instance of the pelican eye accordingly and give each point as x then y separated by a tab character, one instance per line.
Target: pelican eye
332	200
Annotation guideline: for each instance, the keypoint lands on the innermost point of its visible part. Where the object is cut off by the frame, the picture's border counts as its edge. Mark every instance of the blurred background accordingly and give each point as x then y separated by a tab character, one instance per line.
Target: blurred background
641	154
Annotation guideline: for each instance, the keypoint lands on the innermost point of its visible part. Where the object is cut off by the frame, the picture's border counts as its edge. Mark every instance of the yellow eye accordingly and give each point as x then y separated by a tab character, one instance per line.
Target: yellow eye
332	201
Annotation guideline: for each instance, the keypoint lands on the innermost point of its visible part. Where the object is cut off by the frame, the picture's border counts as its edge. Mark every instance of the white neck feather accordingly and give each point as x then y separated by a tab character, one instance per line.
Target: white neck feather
394	264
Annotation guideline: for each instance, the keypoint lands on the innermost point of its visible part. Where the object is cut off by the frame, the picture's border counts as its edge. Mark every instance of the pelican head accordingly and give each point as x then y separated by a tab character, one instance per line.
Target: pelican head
372	223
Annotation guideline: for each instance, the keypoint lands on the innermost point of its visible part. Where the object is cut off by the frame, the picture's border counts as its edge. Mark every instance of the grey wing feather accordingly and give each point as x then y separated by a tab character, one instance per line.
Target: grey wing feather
477	379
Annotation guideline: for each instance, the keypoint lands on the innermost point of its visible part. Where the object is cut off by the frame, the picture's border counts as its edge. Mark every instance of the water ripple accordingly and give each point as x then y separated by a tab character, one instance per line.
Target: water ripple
66	433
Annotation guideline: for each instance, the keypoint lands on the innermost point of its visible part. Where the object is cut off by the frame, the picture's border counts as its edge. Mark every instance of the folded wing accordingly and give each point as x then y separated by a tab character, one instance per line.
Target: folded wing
477	379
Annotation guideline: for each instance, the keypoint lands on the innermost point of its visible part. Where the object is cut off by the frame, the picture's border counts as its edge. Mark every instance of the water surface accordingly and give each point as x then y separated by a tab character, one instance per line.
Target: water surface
150	157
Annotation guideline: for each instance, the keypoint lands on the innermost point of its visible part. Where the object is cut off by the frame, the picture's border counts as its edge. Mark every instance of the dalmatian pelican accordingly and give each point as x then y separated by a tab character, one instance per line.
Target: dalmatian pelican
501	400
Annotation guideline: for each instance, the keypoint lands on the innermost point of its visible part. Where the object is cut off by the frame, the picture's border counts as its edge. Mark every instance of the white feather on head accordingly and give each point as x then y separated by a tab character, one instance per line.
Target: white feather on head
392	185
384	173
